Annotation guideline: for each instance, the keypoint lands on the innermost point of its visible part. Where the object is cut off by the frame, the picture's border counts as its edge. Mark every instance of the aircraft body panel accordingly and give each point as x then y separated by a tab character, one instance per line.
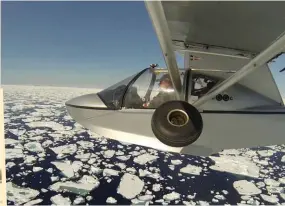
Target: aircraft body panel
222	130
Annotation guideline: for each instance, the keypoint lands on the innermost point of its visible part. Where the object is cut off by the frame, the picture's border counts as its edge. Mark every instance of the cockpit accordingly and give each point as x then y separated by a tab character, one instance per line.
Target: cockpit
152	87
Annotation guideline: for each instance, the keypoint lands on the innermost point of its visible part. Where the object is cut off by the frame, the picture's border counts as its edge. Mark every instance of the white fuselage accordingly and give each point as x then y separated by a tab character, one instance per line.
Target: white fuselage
223	129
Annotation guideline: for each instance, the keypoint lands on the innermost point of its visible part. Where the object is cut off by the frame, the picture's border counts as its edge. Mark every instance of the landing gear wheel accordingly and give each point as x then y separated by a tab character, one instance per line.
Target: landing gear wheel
177	123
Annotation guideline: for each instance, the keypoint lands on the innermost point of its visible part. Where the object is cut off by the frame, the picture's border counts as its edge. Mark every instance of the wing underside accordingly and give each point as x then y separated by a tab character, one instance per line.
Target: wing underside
249	26
227	36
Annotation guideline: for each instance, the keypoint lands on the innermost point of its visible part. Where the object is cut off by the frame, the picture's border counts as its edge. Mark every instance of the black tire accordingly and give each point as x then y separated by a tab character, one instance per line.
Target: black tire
177	136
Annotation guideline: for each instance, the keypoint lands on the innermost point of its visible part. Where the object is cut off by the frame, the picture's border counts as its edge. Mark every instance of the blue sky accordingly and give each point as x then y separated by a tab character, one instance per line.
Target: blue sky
79	43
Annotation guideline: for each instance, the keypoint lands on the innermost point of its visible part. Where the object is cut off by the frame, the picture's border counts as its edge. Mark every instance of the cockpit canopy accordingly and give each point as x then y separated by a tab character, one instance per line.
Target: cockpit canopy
137	90
151	87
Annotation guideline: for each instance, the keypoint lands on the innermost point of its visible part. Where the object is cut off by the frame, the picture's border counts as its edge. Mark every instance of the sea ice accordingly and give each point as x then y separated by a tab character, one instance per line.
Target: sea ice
236	165
60	200
20	195
110	172
191	169
145	158
111	200
65	168
244	187
130	181
171	196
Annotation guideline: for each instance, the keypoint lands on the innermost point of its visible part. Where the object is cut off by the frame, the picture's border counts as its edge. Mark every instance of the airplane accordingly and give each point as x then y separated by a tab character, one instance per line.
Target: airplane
224	97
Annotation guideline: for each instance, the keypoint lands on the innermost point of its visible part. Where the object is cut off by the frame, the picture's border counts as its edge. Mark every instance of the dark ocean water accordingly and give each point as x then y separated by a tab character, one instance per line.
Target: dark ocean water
37	114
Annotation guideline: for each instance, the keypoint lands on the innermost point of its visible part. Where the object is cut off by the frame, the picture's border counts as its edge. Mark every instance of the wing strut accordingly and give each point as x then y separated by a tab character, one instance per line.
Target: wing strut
159	22
274	49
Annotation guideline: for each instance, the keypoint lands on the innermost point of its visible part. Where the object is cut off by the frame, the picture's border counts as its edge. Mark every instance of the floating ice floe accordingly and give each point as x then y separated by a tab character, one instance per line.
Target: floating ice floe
47	143
60	200
282	195
14	153
65	168
108	153
176	162
10	165
282	180
266	153
191	169
271	199
65	150
54	178
36	138
53	125
146	173
121	165
80	188
220	197
131	170
110	172
20	195
244	187
145	158
146	197
34	147
86	179
78	200
85	144
37	169
30	159
171	196
130	186
95	170
271	182
76	166
135	153
123	158
274	189
44	190
33	202
9	141
235	165
83	157
111	200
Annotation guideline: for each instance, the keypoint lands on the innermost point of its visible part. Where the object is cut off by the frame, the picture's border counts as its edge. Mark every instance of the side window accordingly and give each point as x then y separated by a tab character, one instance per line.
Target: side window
136	93
201	84
163	90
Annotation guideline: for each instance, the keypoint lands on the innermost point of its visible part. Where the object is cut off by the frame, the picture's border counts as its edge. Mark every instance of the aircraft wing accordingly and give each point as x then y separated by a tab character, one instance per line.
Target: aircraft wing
241	36
249	26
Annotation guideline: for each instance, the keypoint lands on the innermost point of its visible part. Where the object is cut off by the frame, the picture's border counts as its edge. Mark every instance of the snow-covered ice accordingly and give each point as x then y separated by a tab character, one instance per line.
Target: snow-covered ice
236	165
244	187
65	168
191	169
72	165
145	158
111	200
20	195
60	200
130	186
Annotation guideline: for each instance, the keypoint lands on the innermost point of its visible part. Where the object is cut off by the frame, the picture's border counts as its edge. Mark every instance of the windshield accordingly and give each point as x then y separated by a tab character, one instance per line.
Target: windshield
113	95
150	90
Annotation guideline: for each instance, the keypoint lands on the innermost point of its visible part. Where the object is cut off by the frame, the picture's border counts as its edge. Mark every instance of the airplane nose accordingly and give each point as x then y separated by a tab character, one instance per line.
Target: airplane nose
88	101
